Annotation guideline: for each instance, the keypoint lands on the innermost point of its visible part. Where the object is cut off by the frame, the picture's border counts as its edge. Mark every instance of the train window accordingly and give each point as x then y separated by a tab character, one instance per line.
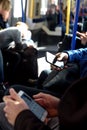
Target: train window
45	4
17	9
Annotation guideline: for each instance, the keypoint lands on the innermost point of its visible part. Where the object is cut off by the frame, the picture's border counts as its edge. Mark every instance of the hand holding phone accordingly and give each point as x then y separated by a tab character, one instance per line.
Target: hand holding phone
38	110
50	58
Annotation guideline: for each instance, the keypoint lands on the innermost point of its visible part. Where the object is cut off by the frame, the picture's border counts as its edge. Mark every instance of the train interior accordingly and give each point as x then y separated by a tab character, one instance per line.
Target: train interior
52	26
47	34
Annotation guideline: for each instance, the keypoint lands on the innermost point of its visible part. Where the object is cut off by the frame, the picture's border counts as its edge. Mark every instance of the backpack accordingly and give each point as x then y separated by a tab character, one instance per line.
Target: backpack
20	65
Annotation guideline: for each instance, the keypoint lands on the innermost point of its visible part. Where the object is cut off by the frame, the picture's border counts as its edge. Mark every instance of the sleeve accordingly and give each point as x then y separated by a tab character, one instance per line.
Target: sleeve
77	55
15	34
26	120
17	37
73	107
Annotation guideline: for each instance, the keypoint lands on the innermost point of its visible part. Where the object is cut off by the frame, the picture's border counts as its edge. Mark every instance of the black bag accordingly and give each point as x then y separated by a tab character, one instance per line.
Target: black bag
20	65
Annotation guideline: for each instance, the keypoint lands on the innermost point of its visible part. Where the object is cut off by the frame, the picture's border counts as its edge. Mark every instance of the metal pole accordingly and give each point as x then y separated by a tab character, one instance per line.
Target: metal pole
60	18
23	12
73	43
68	16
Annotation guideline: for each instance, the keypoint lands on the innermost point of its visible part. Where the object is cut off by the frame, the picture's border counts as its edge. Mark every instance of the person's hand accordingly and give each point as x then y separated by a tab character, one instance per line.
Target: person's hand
53	67
49	102
83	37
13	106
61	56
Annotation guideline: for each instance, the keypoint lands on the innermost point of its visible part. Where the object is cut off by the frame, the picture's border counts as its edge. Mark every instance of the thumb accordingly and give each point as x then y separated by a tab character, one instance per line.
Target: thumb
60	56
14	94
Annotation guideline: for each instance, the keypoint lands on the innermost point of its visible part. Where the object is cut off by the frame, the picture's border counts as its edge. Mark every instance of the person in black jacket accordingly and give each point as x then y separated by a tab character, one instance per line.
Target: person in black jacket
71	109
5	8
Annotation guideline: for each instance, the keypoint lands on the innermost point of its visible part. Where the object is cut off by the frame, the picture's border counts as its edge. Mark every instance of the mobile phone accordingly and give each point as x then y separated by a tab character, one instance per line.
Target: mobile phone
50	58
38	110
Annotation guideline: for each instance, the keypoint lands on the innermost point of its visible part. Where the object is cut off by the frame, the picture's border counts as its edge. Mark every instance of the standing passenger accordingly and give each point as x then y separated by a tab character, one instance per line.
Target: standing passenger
5	8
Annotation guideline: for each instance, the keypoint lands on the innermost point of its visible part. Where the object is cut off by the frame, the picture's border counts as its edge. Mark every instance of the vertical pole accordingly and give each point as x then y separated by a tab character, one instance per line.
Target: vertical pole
25	9
23	12
73	43
68	16
83	16
60	20
31	9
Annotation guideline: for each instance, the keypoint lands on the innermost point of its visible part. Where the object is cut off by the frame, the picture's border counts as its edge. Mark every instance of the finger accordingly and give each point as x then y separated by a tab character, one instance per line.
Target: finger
86	33
41	101
79	33
7	116
8	101
39	95
6	97
60	57
59	68
14	95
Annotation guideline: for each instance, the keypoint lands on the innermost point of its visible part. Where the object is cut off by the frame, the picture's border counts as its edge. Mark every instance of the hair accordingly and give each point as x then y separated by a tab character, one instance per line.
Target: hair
19	23
5	4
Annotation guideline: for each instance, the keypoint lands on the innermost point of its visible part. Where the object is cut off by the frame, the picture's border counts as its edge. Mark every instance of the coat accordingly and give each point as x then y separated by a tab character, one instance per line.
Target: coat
80	56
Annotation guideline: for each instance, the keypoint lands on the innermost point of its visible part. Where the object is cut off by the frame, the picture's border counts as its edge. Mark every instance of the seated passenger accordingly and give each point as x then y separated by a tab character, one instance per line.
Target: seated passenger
26	35
19	42
70	110
13	34
7	36
5	8
57	80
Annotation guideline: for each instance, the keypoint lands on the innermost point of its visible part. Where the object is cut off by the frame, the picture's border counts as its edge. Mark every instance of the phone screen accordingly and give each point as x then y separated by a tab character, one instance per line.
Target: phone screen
50	58
38	110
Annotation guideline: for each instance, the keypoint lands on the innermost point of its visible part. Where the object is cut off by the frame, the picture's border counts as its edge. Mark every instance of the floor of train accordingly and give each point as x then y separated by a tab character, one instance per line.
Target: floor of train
42	64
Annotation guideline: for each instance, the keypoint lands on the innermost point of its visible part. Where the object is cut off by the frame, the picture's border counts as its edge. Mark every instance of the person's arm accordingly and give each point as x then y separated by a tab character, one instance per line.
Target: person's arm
76	55
73	106
18	39
26	120
71	56
18	114
49	102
